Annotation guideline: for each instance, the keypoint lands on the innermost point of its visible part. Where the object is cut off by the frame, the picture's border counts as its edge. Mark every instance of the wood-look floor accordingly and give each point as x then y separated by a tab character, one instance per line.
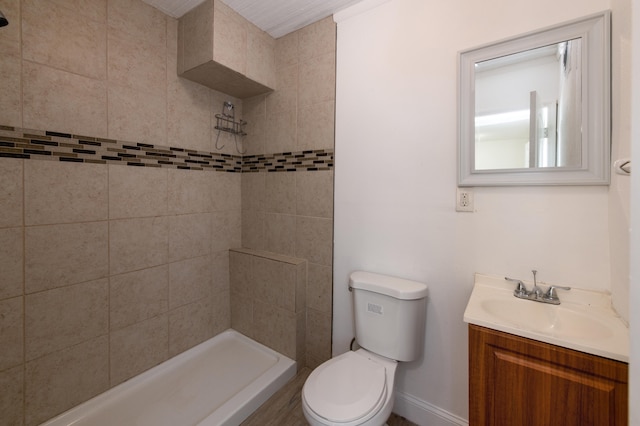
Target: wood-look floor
285	407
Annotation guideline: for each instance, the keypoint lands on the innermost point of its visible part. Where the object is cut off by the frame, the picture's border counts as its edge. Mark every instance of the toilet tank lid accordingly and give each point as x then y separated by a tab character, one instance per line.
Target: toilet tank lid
387	285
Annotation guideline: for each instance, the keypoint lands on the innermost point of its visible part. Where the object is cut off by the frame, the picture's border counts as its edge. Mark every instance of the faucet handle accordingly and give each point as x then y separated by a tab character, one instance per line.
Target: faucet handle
521	289
551	293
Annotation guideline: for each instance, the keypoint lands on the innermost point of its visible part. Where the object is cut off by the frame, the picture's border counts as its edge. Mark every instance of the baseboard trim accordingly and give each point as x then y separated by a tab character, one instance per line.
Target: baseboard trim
423	413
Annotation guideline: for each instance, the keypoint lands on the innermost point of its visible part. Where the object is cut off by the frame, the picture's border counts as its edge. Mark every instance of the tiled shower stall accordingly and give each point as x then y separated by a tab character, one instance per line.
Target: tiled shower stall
119	218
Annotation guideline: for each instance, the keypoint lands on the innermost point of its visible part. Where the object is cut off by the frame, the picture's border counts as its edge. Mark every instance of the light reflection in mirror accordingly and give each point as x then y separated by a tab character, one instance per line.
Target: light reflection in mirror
526	107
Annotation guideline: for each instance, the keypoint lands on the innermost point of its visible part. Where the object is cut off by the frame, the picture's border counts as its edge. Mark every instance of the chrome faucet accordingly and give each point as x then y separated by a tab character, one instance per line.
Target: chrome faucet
536	294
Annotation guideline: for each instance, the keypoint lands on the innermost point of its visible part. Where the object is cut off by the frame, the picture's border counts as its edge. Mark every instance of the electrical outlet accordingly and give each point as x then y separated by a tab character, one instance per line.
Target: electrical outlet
464	200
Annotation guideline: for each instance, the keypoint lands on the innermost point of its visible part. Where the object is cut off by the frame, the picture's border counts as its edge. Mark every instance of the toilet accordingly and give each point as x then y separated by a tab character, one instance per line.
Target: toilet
357	387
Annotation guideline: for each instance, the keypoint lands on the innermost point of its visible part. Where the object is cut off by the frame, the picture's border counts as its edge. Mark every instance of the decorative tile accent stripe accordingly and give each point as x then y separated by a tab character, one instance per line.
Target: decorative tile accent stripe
47	145
320	159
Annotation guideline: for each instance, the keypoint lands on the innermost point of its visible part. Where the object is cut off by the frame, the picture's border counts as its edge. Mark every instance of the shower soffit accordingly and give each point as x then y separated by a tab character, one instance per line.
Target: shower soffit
276	17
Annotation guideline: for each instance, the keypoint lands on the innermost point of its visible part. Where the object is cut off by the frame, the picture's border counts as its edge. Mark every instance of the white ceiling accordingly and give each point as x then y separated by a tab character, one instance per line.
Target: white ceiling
276	17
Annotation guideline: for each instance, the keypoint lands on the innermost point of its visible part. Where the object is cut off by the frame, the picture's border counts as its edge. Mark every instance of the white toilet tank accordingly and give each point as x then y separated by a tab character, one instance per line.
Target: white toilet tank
390	314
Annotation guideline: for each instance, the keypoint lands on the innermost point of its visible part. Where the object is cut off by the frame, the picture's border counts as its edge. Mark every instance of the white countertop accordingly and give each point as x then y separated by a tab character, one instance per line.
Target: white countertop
584	321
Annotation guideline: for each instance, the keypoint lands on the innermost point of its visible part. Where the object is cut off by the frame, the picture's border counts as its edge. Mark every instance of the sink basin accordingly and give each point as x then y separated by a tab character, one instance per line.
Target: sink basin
553	319
584	321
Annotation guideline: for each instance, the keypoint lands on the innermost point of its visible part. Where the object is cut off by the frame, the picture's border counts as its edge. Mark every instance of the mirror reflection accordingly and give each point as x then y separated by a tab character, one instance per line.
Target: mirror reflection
527	108
534	109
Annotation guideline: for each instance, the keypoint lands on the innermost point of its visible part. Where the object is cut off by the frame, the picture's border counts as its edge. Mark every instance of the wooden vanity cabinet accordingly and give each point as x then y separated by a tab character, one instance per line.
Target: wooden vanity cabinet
514	381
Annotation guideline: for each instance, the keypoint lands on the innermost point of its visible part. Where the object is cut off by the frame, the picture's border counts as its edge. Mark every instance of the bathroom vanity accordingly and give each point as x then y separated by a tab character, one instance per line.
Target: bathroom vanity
536	364
519	381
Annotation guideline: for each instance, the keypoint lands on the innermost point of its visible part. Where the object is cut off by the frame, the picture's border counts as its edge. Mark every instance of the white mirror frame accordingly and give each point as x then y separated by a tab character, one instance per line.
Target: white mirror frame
595	32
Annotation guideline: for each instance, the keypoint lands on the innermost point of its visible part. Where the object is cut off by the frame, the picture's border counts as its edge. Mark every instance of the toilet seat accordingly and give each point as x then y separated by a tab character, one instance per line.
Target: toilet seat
346	388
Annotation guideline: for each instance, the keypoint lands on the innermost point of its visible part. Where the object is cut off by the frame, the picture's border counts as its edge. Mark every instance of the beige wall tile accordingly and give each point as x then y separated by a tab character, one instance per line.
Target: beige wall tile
317	39
267	282
255	114
138	243
11	34
275	327
290	287
314	194
241	273
56	35
12	395
242	314
137	65
189	325
11	171
285	96
220	272
196	27
189	236
11	88
314	238
301	287
138	296
137	116
317	80
138	347
280	196
80	192
226	231
281	132
253	230
172	51
287	50
318	334
138	20
280	233
221	312
137	192
285	99
63	101
11	262
253	191
316	128
229	38
189	281
189	114
189	191
319	288
225	191
95	10
59	255
63	317
261	60
11	333
63	379
301	333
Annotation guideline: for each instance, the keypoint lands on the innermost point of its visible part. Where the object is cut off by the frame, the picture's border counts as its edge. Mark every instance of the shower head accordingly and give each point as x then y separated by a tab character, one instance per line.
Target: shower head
3	20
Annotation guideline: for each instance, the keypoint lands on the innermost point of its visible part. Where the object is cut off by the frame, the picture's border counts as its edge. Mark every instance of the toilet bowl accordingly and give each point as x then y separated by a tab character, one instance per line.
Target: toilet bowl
355	388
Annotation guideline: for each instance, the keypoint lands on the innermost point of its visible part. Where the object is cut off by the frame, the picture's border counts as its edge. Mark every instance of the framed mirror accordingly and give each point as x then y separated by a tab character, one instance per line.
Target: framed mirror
535	109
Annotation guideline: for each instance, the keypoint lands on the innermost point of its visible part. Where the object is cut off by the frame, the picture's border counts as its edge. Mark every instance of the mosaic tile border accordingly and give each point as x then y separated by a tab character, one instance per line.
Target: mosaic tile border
55	146
311	160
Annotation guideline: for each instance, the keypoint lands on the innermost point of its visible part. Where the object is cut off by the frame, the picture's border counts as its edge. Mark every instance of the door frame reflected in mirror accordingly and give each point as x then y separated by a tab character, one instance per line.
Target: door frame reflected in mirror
595	131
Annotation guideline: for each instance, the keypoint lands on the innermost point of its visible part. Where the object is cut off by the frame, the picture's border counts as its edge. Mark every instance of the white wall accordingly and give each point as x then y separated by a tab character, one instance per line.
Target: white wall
395	182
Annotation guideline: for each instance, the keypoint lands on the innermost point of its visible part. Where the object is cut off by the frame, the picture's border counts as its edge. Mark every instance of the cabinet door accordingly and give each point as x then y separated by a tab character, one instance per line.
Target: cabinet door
517	381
